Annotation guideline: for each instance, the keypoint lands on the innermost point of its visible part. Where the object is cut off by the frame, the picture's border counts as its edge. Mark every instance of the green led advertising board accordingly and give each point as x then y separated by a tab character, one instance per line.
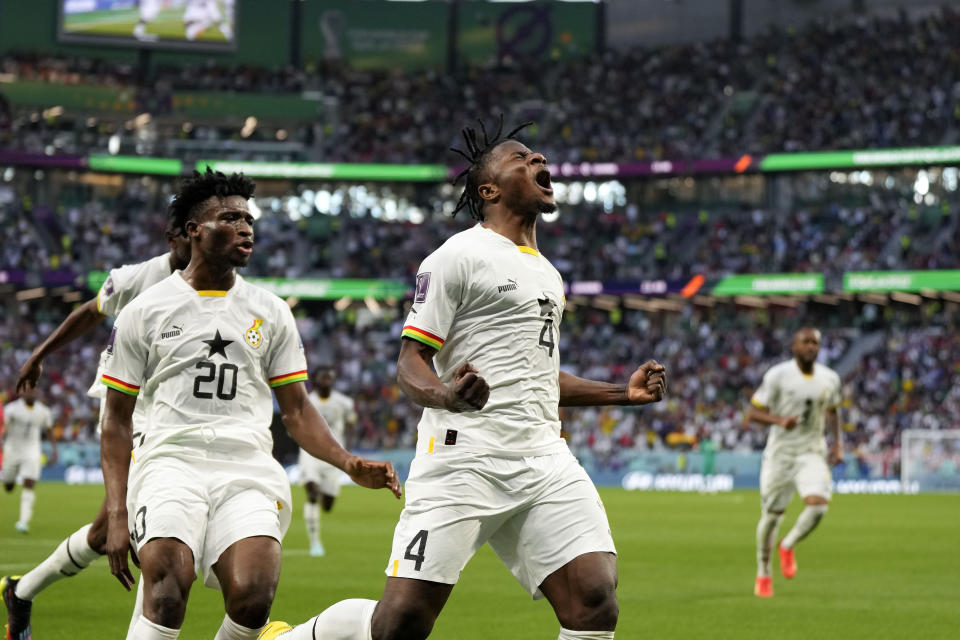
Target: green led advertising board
938	280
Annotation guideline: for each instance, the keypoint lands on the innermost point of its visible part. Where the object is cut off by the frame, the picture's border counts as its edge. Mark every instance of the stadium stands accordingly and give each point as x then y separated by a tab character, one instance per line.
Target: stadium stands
895	82
767	93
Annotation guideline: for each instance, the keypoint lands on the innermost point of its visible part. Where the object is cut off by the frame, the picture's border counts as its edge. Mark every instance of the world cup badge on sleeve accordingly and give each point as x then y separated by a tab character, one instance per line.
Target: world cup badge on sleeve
111	340
423	283
253	335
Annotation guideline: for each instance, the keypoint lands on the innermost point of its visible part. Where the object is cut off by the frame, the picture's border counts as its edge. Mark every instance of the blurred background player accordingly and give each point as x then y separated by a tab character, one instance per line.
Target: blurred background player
86	544
24	422
201	14
491	465
201	491
796	398
320	479
148	13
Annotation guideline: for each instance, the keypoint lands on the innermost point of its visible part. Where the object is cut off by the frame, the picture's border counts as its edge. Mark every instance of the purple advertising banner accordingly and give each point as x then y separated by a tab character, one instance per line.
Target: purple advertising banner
59	277
603	170
13	276
650	288
41	160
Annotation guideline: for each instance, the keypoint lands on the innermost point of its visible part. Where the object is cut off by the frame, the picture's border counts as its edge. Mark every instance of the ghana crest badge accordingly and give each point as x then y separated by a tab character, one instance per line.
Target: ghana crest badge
253	335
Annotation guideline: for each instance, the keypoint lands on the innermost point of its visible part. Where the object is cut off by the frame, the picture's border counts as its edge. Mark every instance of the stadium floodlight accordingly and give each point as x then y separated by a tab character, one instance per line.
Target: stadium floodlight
930	460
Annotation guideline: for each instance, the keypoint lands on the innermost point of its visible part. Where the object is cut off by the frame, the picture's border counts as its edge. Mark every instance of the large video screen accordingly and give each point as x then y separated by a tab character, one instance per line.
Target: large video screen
179	24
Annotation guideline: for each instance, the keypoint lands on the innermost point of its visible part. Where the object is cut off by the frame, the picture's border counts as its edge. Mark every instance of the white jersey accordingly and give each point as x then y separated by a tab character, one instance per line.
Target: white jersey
122	285
787	391
205	362
337	410
23	425
482	299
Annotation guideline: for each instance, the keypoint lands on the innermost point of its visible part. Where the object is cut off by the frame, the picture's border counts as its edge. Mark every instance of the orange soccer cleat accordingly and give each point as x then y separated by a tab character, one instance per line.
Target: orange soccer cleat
763	587
788	563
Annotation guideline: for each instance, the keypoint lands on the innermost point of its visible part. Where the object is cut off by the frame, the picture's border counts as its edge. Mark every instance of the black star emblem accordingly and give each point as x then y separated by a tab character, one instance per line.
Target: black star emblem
546	306
218	345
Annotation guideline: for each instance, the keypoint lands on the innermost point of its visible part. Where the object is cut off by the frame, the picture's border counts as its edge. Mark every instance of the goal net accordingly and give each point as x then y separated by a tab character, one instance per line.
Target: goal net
930	460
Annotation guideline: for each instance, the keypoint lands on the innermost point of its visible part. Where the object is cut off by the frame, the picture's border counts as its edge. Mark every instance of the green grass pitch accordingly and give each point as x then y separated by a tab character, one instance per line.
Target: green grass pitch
168	25
878	567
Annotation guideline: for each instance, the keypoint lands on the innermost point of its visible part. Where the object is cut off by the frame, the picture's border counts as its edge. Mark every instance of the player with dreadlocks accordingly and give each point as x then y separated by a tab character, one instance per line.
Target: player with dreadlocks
490	464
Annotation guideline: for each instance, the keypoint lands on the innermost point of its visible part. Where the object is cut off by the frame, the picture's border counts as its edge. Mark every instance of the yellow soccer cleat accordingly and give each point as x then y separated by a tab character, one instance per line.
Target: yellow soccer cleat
273	630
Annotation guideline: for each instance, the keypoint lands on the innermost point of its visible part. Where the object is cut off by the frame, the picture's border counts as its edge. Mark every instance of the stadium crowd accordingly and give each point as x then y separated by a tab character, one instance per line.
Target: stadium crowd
895	81
715	356
85	230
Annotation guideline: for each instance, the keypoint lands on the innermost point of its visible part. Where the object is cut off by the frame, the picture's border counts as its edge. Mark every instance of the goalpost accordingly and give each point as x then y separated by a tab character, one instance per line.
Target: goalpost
930	460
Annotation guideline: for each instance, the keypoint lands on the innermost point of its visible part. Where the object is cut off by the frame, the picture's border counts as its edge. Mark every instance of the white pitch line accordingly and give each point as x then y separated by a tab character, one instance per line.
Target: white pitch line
28	542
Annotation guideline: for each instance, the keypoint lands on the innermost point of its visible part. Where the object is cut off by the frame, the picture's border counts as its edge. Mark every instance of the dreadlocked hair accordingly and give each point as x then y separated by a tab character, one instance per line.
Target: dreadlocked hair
477	153
198	188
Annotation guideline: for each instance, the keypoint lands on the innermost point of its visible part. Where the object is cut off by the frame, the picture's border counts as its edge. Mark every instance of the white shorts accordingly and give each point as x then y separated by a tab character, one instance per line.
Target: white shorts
780	475
538	513
324	475
17	462
207	502
149	9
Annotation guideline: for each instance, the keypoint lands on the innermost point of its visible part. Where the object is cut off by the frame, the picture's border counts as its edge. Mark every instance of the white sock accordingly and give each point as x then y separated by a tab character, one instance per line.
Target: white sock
146	630
311	515
70	558
27	497
766	534
137	609
808	520
566	634
230	630
345	620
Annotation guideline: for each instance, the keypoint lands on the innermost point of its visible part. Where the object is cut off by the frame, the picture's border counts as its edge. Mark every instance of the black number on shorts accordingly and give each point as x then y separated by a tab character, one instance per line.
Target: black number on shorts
546	336
418	559
140	532
211	375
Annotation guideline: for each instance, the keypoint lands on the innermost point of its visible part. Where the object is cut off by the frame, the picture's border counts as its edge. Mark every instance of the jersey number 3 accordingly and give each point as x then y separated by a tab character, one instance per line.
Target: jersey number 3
226	371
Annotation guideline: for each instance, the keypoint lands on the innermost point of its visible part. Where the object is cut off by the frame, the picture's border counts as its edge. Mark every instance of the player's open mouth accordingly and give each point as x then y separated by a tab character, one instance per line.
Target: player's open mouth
246	247
543	181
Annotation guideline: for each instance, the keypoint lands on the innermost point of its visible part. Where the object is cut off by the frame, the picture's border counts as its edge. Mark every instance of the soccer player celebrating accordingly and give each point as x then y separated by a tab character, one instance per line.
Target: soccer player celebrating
85	545
198	490
491	465
797	398
24	422
321	480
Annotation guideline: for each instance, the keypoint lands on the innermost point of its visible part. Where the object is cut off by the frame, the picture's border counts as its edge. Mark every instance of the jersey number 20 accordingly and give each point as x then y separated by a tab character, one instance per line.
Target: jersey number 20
226	371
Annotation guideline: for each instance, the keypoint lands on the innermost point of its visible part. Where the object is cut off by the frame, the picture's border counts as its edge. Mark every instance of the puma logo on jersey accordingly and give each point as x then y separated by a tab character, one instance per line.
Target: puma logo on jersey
513	286
172	333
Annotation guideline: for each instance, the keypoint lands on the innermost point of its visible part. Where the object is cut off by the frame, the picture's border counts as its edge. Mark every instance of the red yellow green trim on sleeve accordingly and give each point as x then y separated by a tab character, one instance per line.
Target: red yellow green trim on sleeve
758	405
420	335
119	385
287	378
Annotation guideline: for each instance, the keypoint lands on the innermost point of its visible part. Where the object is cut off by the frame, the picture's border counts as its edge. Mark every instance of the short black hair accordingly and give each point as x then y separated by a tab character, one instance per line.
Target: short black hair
477	154
198	188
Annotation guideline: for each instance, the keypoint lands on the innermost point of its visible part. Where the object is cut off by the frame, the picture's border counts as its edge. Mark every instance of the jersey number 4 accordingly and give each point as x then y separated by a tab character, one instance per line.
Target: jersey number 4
225	372
546	336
